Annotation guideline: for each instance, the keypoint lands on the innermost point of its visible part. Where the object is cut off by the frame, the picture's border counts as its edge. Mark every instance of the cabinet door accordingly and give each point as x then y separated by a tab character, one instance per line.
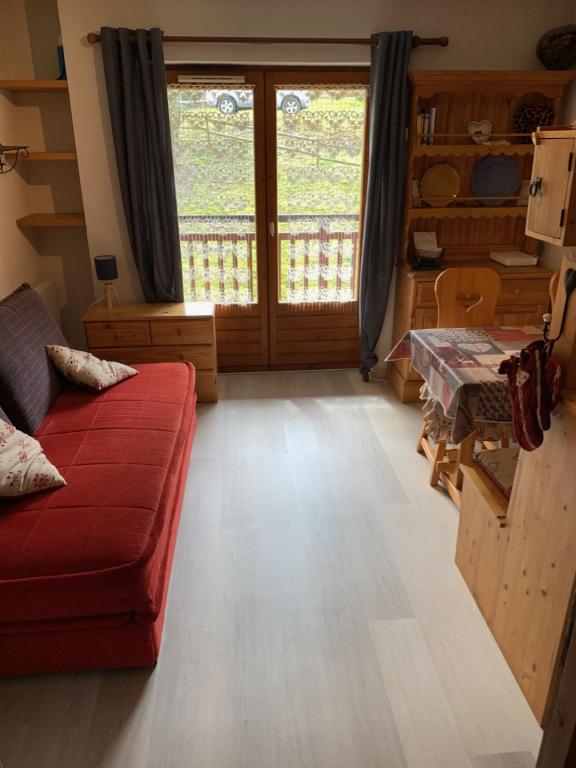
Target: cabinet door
179	332
117	334
425	318
517	317
547	206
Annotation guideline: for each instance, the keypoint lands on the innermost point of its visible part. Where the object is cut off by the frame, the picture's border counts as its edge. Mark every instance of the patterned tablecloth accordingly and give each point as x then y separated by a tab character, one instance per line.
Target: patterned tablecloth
460	367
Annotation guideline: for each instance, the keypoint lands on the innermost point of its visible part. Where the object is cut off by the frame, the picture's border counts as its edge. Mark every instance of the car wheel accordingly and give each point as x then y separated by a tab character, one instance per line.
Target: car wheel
291	105
227	105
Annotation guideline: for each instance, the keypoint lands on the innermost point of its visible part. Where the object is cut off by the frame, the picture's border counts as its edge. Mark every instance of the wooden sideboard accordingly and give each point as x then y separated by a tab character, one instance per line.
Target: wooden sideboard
523	301
154	333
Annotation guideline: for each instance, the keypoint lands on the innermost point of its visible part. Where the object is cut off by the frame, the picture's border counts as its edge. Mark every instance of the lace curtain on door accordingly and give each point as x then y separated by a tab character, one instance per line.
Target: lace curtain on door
213	146
319	152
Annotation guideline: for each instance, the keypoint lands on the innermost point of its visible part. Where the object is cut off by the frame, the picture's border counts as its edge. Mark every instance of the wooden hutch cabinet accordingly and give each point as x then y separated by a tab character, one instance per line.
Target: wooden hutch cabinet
468	229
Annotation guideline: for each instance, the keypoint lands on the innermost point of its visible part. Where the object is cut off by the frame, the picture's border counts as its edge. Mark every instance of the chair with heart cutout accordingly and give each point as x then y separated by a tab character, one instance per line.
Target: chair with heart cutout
466	298
553	289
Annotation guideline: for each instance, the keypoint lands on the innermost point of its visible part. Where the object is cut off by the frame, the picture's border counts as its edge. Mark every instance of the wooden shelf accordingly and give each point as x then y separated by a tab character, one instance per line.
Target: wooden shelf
439	150
470	212
534	272
34	86
51	156
37	220
46	156
547	82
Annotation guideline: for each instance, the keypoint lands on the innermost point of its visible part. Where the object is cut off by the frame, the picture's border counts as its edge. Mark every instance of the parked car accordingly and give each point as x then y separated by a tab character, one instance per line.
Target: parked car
229	102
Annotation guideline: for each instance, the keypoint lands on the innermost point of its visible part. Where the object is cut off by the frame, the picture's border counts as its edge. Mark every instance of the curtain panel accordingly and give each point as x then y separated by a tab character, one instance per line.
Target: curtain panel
388	152
138	103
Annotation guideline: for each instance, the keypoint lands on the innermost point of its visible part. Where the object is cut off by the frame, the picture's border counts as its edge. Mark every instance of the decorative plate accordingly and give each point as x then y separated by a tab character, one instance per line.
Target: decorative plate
495	175
440	185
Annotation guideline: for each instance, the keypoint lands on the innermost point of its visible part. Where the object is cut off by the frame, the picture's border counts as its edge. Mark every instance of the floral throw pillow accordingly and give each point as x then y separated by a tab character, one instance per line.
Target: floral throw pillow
24	467
86	369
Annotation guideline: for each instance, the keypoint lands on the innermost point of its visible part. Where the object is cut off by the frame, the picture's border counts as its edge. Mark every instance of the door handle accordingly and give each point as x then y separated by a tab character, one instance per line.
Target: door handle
272	229
535	186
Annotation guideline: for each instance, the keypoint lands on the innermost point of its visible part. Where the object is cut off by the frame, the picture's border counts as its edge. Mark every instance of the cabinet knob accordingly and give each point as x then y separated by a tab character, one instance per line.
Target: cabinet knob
535	186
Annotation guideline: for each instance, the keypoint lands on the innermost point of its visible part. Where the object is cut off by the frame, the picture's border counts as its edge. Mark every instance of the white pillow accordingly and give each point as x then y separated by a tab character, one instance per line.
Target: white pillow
24	467
86	369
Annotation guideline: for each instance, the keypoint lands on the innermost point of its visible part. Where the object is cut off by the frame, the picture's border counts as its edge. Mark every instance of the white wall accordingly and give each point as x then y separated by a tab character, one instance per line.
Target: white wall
552	255
484	34
28	38
481	36
18	259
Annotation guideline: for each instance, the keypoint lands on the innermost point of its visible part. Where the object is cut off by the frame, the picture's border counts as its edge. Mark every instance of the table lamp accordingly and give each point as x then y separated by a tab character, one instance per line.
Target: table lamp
107	271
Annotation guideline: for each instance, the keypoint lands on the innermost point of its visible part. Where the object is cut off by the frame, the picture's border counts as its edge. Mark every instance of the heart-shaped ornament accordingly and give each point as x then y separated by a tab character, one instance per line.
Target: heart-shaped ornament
479	130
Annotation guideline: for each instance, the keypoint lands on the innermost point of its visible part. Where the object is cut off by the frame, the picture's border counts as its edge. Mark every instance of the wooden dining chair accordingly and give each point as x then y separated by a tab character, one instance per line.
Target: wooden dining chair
553	289
466	298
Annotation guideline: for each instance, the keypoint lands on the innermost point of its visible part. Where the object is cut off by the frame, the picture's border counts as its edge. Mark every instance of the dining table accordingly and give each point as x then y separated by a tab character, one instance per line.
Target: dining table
466	399
460	368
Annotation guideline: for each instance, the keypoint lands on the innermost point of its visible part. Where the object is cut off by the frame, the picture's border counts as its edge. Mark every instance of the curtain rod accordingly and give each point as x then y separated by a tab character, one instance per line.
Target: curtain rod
417	41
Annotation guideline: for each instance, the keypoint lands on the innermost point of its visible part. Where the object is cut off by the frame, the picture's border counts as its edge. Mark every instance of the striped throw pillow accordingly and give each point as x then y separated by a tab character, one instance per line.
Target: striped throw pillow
28	381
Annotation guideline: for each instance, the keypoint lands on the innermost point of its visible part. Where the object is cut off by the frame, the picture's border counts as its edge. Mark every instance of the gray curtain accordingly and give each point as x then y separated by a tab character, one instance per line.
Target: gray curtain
138	103
388	151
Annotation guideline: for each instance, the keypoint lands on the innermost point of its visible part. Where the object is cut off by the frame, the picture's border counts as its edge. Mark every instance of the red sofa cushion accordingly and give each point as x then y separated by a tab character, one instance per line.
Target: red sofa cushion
98	546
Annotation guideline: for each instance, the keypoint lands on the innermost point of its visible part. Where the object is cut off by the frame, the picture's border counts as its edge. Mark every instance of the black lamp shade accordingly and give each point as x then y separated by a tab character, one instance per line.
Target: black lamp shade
106	268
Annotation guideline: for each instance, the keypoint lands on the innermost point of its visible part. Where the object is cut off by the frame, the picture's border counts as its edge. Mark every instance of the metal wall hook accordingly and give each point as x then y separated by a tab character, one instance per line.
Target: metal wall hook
14	152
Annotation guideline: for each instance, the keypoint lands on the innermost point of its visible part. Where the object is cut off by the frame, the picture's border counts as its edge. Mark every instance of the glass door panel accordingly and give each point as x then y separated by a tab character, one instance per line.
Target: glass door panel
319	156
316	169
217	127
214	165
269	169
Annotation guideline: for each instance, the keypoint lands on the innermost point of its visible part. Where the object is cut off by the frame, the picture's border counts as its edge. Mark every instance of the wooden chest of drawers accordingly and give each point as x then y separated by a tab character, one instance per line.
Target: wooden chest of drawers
523	301
155	333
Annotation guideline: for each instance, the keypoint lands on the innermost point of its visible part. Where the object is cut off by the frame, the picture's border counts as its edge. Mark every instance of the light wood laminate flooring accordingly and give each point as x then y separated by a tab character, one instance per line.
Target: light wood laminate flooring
316	618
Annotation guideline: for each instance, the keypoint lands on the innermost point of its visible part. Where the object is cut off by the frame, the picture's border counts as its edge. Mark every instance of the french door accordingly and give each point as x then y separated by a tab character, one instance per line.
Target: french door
270	169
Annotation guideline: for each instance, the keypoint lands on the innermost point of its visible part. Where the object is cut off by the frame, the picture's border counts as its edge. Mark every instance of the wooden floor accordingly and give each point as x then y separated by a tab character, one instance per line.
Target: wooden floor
315	619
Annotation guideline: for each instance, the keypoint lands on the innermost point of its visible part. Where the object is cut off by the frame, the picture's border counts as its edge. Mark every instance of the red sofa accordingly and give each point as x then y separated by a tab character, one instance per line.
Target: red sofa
84	569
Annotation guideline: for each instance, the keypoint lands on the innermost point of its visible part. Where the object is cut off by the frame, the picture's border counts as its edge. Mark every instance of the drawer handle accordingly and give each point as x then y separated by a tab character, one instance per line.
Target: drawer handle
535	186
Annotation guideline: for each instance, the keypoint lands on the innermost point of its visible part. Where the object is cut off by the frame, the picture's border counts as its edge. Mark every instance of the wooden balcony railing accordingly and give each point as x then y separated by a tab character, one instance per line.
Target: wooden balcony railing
317	259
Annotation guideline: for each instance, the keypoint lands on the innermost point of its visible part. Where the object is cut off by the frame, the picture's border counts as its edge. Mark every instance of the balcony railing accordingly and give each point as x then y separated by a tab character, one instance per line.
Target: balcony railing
317	259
